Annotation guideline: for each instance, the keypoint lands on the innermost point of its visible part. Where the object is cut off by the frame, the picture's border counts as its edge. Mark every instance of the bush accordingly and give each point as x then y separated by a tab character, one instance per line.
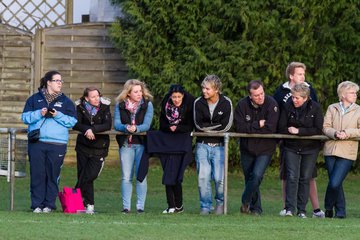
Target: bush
167	42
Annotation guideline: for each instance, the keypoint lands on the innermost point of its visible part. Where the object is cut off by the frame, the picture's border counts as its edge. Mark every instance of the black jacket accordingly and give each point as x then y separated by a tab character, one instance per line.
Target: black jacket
101	122
176	148
246	120
221	121
187	121
282	94
308	119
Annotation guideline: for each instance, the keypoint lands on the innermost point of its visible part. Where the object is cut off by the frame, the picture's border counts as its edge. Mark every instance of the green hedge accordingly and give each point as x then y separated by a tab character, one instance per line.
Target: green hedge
166	41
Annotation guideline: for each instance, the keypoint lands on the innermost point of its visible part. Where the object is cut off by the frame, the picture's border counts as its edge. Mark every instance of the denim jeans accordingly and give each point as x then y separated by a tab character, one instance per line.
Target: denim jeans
337	168
253	168
299	170
130	155
210	166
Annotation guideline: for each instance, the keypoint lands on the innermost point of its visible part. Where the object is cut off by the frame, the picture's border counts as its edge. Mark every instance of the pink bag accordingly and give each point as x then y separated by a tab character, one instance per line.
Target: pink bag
71	200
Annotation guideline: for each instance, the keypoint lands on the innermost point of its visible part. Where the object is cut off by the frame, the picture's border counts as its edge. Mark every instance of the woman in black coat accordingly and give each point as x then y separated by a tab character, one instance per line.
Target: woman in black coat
303	117
176	117
93	115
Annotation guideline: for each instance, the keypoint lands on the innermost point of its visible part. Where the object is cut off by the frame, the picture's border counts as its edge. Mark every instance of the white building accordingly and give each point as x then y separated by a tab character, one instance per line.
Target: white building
103	11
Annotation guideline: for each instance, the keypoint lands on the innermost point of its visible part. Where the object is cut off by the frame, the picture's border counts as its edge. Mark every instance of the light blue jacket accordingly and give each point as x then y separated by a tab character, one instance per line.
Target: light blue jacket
53	129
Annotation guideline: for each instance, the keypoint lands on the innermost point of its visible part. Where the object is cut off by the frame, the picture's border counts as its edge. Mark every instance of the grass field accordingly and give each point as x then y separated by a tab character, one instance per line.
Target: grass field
109	223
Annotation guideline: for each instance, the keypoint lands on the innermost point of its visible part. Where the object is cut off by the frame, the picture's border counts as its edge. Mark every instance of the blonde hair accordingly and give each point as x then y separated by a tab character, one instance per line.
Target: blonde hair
214	82
346	85
129	84
290	69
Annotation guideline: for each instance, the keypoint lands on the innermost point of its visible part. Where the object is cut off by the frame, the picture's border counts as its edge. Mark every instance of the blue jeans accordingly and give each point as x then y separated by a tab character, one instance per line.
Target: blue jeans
210	166
130	155
299	170
337	168
253	168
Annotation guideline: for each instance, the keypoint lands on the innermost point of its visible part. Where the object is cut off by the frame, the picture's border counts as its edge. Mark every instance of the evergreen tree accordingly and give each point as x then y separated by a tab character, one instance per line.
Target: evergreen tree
178	41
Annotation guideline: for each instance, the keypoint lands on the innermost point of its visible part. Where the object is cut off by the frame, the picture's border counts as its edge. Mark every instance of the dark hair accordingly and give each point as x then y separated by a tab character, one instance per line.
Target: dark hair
254	84
47	77
89	89
176	88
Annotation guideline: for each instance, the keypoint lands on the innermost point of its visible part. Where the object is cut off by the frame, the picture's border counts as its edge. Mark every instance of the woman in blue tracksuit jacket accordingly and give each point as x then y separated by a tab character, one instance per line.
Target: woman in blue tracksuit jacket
52	112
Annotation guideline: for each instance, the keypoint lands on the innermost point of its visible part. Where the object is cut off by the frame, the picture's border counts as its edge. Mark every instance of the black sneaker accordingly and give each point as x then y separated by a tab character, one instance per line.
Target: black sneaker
329	213
140	211
179	210
125	211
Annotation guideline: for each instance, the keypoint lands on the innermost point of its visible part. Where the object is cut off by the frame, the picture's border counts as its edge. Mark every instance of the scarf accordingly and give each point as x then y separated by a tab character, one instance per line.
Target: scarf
50	97
173	113
133	108
92	110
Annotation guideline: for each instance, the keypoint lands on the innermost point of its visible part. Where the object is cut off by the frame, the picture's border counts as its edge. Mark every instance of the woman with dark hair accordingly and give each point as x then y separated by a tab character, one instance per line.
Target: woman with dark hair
301	116
53	113
176	118
93	115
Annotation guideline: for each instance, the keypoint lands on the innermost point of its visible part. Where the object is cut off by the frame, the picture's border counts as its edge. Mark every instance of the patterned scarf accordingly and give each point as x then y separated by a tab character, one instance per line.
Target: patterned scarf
92	110
50	97
173	113
133	108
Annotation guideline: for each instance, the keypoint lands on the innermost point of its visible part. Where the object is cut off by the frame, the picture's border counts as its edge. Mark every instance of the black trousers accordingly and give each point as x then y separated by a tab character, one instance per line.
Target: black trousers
174	195
88	169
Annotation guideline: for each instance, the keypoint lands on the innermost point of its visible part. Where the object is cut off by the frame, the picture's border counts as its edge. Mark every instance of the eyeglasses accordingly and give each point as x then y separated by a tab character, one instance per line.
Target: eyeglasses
57	81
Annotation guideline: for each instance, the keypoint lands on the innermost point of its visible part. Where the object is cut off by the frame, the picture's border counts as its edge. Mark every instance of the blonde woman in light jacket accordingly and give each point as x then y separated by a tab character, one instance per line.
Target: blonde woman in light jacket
342	125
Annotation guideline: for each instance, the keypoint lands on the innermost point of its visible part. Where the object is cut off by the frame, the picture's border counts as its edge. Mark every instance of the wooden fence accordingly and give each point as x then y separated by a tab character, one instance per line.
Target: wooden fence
83	53
30	15
15	73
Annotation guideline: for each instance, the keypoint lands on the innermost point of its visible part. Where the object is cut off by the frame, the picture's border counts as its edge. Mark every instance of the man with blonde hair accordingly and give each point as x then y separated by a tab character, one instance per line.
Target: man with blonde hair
213	113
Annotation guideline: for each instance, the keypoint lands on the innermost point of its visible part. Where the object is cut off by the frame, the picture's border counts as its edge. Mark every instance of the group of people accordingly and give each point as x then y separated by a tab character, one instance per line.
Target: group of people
293	110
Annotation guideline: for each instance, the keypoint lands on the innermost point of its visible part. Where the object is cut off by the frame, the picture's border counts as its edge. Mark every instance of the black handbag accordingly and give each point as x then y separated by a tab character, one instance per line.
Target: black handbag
34	135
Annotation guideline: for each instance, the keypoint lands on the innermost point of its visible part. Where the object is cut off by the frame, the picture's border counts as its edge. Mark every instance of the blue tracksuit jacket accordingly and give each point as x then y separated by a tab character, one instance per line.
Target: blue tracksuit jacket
54	129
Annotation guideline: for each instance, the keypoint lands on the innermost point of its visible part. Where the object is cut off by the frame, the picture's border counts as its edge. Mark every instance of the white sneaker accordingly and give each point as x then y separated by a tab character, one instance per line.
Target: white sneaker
289	214
319	214
302	215
219	210
169	210
37	210
283	212
90	209
47	210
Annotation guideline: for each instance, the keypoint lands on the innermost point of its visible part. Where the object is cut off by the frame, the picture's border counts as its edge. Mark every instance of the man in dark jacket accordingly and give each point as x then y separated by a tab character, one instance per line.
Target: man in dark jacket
212	113
259	114
295	74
